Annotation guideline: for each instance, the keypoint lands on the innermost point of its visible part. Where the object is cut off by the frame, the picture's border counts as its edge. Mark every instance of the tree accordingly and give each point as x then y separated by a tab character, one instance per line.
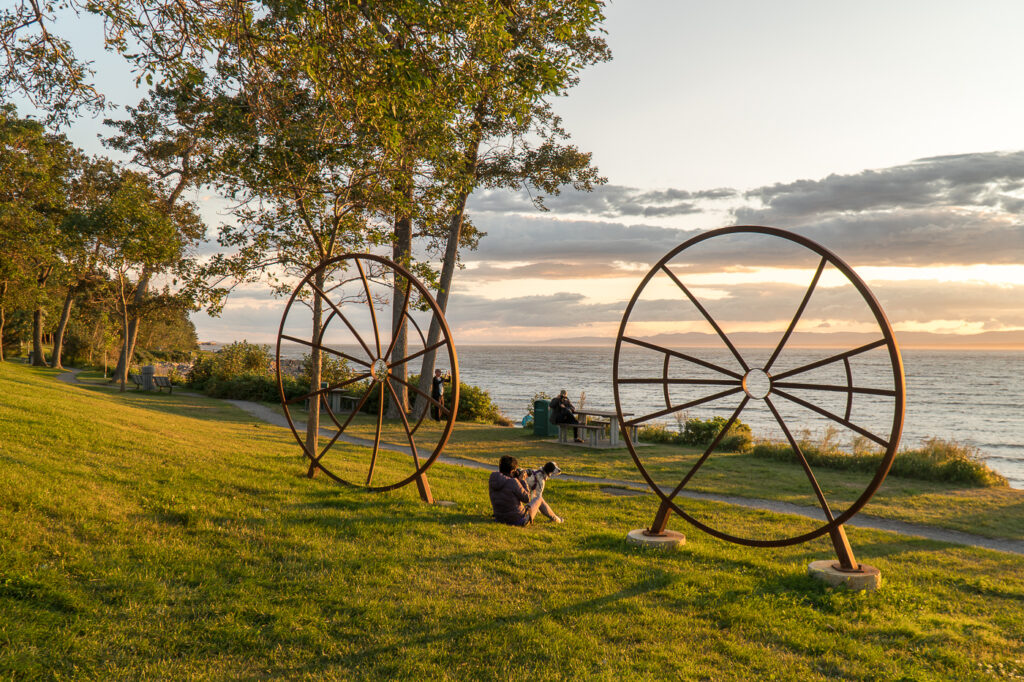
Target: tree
509	137
169	136
137	234
35	172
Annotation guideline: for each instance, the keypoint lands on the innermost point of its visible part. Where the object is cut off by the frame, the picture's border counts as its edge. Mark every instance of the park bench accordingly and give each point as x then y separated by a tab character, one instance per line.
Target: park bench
593	432
135	379
163	382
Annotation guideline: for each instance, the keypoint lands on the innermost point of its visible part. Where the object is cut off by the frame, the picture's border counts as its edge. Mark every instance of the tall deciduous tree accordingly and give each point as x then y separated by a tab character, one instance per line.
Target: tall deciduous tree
136	233
35	172
169	135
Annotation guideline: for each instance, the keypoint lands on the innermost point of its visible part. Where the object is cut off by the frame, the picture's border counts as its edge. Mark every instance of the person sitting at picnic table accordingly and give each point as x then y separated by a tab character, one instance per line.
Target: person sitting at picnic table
565	413
510	497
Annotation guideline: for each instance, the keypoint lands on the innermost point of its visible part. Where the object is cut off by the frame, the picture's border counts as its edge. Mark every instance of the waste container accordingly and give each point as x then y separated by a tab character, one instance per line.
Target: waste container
542	425
147	378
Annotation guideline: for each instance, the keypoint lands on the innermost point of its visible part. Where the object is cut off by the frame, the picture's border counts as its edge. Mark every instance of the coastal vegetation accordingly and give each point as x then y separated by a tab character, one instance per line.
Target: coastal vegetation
935	459
245	371
173	536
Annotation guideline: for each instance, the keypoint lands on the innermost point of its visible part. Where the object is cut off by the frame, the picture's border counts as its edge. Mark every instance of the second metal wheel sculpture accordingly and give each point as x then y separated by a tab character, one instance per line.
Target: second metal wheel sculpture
377	318
821	387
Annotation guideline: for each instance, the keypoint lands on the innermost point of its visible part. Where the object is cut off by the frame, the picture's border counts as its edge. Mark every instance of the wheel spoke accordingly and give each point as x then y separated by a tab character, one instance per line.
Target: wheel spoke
796	317
373	317
344	319
332	387
707	316
376	435
682	356
829	360
327	349
394	331
687	382
444	409
418	353
405	423
416	325
351	416
826	387
677	408
834	417
803	462
710	448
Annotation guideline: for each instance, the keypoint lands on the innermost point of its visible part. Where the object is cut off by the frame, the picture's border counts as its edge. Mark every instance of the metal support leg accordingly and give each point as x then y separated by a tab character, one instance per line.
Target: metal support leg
847	562
424	488
660	520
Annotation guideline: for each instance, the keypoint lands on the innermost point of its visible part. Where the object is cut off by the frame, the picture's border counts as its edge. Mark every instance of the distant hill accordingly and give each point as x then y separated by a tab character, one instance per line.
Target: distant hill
921	340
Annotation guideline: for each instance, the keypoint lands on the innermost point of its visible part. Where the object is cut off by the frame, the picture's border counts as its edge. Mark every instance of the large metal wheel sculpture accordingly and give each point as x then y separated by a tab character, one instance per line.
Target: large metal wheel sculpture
355	294
697	381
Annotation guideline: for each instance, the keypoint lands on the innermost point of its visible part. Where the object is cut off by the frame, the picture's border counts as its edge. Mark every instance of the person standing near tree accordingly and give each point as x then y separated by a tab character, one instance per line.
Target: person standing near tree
437	391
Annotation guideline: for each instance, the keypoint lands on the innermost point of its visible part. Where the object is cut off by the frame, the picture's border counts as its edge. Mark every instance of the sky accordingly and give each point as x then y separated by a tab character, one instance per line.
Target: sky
890	133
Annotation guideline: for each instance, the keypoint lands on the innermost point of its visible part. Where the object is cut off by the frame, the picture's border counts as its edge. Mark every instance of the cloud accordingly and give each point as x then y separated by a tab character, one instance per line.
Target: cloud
555	310
948	210
606	200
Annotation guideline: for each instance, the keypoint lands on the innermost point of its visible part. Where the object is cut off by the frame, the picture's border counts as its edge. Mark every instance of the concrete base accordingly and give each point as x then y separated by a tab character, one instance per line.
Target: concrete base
444	503
868	578
670	539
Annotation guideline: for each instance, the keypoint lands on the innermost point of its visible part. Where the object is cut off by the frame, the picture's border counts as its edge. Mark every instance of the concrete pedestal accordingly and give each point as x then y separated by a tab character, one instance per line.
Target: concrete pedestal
868	578
668	540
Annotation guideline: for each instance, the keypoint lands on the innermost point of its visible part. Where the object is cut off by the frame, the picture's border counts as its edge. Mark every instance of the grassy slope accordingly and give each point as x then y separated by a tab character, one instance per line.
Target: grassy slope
993	512
169	536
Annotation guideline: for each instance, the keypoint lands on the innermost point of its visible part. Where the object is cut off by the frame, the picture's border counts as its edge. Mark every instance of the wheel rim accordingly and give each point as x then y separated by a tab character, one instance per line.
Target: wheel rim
752	383
370	282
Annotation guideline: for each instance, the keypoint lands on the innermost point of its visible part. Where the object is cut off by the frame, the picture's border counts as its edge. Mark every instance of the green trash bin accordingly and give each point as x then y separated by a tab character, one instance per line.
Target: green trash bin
542	425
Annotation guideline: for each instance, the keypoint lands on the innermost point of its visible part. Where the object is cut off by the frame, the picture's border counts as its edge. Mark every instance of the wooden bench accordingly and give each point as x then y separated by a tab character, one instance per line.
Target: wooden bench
163	382
135	379
593	432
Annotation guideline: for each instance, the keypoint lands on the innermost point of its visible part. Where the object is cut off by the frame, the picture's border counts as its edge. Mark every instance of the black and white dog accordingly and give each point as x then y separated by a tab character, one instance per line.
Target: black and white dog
535	477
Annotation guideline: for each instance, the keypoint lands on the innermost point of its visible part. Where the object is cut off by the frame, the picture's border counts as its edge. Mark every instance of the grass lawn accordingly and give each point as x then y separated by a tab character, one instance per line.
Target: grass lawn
169	536
992	512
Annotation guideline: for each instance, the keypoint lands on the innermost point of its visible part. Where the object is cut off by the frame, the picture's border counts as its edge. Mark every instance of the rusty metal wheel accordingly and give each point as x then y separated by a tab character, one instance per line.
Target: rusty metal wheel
739	381
361	327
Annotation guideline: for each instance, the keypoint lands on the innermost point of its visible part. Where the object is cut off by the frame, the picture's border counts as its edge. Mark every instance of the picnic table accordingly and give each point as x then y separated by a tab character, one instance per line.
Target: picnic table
606	418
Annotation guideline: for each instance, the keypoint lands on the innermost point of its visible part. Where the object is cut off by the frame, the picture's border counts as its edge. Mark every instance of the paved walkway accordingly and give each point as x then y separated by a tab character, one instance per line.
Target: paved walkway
264	413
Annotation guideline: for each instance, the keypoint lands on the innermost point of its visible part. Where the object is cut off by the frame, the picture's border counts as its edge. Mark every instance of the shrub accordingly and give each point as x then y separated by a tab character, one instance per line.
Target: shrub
936	460
241	371
332	369
700	433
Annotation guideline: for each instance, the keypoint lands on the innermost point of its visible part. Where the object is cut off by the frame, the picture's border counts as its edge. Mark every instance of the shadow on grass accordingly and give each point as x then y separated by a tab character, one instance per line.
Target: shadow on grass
178	404
656	581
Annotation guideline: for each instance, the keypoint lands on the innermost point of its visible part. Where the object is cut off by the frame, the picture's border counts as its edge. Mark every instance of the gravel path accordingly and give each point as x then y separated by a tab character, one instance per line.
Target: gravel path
264	413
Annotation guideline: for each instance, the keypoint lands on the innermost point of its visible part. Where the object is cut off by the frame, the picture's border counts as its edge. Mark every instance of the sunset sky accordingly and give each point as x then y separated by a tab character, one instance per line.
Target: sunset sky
892	133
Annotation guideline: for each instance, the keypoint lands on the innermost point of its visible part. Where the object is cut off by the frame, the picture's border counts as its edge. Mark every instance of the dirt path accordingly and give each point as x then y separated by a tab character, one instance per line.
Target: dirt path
264	413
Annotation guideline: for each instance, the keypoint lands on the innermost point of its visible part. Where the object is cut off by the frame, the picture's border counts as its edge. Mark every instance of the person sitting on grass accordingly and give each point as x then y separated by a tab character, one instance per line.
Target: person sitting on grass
565	413
510	497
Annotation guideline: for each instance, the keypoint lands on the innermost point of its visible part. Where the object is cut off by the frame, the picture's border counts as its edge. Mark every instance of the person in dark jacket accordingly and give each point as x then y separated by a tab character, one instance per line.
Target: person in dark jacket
510	498
565	413
437	391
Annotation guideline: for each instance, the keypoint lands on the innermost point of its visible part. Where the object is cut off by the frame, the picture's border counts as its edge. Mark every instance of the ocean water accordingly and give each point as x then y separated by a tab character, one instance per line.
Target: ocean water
972	397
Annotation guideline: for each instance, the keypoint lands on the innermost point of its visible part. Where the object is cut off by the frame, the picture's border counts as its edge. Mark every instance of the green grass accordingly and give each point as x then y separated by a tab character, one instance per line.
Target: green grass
155	536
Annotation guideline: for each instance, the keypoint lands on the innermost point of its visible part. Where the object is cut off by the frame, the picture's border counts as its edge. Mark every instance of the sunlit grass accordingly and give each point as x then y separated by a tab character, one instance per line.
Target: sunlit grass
173	537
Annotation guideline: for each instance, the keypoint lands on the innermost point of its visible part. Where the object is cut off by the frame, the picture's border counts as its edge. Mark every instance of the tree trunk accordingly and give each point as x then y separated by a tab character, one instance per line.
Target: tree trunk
38	355
402	254
128	351
3	317
444	285
58	337
315	372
